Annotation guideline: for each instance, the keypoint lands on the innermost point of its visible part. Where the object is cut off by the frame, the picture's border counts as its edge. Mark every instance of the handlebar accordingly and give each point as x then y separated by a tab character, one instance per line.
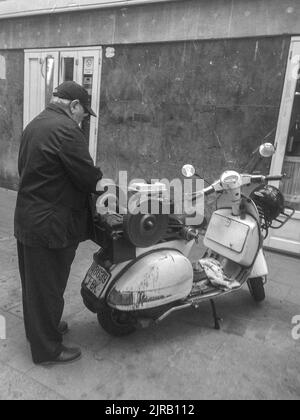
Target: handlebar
206	192
265	178
209	190
274	177
249	180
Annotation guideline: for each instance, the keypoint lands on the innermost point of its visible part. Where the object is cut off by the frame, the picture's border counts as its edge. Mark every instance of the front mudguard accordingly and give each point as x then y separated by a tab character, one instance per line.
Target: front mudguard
260	267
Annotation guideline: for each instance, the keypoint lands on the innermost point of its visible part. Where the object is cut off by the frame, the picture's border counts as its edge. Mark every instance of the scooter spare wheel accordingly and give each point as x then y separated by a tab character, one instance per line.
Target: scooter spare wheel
144	230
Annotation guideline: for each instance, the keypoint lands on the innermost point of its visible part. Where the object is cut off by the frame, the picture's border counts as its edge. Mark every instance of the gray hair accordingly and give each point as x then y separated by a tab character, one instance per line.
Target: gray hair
59	101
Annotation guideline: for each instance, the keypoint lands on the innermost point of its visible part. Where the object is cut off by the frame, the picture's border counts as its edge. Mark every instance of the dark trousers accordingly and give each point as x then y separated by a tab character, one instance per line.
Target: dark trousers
44	275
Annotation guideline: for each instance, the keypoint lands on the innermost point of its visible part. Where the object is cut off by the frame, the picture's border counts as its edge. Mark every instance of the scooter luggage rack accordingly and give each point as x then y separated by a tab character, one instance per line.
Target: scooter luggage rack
281	220
286	217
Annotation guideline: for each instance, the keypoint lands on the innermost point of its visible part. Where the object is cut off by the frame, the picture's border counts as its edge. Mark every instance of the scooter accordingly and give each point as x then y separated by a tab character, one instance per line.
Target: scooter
143	272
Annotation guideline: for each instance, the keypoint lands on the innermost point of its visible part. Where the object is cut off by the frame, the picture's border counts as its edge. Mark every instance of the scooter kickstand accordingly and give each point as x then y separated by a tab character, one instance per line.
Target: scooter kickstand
215	315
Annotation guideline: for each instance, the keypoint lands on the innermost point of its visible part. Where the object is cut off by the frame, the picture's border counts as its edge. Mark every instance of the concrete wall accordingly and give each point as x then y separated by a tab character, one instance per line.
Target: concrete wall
208	103
171	21
208	99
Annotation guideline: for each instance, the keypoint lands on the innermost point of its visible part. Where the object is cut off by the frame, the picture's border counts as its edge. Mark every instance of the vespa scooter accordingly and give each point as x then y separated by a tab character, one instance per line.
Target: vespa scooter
134	282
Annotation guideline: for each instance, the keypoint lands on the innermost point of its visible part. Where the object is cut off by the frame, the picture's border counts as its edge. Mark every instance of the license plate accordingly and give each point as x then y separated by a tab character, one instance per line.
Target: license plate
96	279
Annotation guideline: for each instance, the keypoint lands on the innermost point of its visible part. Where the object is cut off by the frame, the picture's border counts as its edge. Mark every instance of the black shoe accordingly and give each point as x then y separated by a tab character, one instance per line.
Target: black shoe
63	328
68	355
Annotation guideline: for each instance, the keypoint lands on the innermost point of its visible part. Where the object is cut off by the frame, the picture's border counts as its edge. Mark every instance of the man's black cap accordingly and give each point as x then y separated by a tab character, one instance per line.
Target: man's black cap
73	91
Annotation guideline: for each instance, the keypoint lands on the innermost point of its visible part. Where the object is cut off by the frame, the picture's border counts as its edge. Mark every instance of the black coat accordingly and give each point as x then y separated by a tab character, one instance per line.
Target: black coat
57	177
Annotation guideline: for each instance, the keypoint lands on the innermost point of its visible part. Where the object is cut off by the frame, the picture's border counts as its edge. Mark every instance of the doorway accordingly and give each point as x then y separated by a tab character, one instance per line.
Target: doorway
46	69
287	157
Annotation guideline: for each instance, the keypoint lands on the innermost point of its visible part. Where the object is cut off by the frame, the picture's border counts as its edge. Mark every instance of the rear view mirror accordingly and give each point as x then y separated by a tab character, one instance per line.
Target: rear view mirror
188	171
267	150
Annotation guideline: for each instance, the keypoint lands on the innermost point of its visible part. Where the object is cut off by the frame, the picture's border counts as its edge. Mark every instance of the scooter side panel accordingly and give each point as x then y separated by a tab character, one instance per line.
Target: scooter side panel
157	279
180	245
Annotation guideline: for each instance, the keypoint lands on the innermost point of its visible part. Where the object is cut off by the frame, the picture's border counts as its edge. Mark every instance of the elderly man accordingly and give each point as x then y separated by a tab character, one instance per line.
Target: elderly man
53	215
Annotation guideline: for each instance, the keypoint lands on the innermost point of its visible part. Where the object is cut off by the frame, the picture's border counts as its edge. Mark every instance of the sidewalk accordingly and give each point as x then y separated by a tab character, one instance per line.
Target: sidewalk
253	357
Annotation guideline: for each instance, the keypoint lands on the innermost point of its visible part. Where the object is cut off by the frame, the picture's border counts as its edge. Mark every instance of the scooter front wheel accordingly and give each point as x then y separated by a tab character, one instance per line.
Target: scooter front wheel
257	289
115	322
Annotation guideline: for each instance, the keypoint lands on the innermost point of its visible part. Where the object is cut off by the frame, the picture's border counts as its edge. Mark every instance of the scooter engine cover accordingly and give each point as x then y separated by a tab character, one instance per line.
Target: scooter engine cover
157	279
144	230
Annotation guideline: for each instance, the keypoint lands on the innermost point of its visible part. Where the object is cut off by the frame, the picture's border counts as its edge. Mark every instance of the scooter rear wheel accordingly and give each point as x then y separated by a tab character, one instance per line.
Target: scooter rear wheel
257	289
115	322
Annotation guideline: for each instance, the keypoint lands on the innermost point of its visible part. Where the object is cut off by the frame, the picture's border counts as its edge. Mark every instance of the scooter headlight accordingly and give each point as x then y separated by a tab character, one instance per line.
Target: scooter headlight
231	179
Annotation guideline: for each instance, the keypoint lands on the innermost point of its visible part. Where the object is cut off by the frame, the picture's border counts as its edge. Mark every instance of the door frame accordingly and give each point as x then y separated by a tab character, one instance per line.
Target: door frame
43	52
285	113
282	133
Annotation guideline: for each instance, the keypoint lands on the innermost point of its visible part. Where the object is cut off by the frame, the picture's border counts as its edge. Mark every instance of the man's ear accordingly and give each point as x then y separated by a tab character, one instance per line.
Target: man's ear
73	104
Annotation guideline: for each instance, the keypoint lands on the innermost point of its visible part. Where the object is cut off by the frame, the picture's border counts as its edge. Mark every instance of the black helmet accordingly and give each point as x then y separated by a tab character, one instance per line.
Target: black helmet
269	201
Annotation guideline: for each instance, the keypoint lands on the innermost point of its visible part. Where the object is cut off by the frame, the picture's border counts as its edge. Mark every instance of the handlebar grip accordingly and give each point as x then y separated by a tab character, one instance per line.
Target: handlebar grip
274	177
257	179
209	191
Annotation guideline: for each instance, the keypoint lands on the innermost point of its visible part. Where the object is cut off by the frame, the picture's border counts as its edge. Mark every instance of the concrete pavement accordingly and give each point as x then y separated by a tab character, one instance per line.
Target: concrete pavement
253	357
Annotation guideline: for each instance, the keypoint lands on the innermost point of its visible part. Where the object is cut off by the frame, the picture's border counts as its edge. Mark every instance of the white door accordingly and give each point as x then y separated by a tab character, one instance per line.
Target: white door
45	69
41	76
287	157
